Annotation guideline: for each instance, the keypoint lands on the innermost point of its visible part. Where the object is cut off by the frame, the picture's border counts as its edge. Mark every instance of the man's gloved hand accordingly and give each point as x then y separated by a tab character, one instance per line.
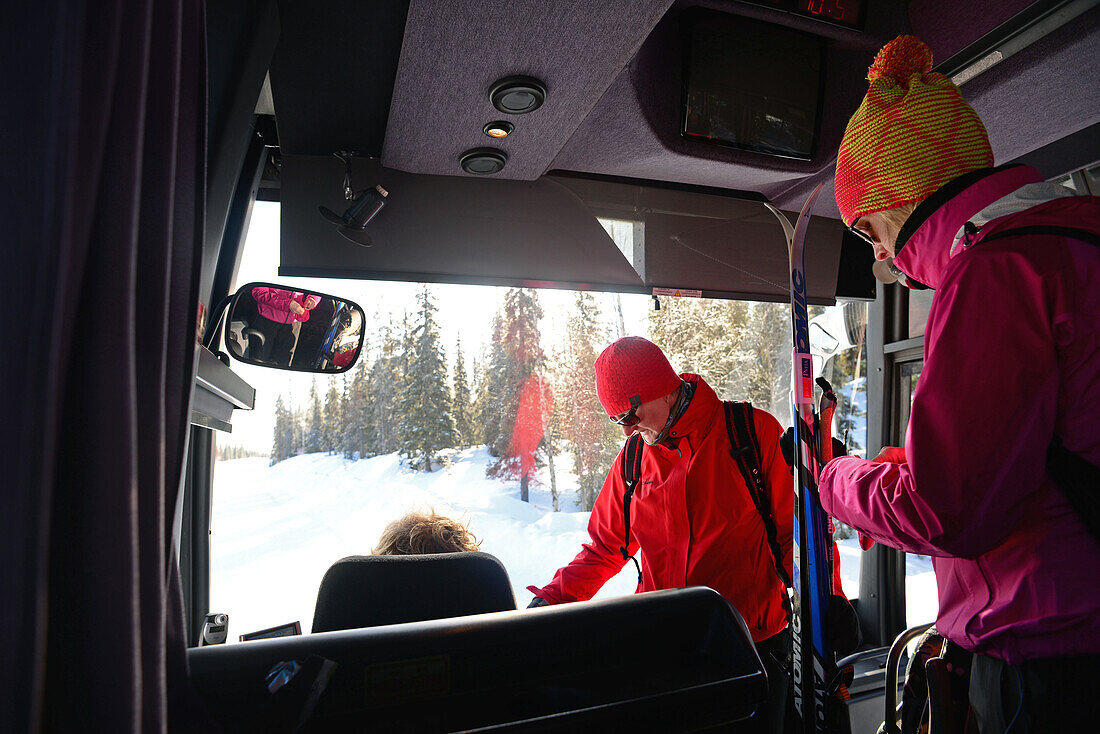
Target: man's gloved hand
839	449
538	601
786	445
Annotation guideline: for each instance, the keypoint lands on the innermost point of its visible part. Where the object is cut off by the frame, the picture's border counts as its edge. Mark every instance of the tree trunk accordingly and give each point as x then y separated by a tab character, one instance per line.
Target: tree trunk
523	488
550	463
619	312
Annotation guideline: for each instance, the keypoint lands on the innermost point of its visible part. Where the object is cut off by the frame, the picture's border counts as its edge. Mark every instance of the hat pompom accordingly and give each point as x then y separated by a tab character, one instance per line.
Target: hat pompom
900	59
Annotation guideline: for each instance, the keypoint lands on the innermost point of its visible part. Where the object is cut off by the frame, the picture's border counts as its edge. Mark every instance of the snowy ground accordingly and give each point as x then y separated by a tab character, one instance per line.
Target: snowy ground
276	530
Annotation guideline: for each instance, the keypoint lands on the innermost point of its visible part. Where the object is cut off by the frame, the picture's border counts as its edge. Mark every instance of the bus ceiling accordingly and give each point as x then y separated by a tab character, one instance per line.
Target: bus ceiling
405	86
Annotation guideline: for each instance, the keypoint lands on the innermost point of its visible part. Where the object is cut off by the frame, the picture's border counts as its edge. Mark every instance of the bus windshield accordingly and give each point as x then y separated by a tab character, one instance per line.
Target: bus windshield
325	462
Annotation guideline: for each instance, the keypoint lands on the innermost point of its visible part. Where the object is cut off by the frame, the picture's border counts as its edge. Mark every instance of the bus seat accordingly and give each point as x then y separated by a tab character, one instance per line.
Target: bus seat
675	661
367	591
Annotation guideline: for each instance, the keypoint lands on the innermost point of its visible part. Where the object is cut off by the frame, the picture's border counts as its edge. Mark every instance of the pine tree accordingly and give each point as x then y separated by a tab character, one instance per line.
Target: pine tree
426	425
594	439
518	391
332	420
298	431
701	336
383	385
762	375
551	445
462	408
356	428
480	410
314	429
283	441
492	414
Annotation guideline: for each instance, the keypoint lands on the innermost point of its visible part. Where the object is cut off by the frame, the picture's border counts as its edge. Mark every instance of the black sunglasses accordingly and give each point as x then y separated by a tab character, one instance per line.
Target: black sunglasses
630	417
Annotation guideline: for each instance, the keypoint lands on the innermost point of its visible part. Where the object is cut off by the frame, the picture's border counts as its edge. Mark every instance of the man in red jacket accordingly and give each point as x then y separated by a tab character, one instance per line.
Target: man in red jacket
691	515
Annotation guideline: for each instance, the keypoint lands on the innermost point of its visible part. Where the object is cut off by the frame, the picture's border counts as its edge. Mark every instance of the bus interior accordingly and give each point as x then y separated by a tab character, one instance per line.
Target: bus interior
452	143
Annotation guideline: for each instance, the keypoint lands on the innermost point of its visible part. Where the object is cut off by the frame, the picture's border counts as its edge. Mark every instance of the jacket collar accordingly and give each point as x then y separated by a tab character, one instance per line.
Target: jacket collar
926	242
699	415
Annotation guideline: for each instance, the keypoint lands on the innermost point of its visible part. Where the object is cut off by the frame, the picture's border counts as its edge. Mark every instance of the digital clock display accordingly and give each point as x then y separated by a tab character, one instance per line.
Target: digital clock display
843	12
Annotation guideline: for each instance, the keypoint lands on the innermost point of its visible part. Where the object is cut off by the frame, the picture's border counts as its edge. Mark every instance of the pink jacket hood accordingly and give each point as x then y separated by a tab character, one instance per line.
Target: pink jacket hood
936	232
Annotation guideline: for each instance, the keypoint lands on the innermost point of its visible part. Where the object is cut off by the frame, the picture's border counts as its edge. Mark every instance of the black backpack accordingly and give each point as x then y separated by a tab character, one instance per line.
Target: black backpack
745	450
1077	477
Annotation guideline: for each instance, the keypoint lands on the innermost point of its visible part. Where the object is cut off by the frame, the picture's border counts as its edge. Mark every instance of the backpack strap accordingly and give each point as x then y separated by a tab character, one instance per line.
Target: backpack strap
745	450
1077	477
1079	480
632	472
1071	233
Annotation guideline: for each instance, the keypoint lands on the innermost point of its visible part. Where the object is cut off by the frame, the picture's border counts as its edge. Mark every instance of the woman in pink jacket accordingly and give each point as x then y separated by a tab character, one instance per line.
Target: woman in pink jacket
283	308
1011	367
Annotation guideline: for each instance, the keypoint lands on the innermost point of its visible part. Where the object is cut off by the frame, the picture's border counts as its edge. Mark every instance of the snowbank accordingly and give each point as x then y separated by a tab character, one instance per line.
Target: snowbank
276	529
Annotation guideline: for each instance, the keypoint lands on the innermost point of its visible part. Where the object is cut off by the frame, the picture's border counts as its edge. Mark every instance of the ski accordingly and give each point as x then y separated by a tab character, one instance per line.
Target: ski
813	662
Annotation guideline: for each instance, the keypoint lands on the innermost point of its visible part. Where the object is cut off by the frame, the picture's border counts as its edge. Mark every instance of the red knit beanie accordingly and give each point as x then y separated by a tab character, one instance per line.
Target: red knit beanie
912	134
633	367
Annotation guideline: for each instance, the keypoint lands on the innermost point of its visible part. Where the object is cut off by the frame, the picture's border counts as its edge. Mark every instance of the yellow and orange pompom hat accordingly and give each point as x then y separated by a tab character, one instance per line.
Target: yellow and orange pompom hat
912	134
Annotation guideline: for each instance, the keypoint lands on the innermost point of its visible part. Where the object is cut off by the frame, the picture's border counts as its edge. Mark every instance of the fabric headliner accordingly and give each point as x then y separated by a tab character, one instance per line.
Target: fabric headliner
453	52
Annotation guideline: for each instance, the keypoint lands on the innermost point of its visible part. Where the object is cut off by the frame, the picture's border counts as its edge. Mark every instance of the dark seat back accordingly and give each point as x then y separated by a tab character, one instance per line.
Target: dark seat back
367	591
676	661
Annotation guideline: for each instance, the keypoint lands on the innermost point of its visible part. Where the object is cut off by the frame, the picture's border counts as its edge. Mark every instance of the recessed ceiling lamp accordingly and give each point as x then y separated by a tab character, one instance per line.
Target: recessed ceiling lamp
482	161
516	95
498	129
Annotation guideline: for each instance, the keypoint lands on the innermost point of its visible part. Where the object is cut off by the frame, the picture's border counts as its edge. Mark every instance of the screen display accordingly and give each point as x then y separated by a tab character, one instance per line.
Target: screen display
844	12
751	85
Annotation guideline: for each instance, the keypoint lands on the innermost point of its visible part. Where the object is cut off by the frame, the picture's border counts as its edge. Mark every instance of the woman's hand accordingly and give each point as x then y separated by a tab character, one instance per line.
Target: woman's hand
890	455
296	308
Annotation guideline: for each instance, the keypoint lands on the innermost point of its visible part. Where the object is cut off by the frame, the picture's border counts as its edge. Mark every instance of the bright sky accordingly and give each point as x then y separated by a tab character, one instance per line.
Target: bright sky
463	310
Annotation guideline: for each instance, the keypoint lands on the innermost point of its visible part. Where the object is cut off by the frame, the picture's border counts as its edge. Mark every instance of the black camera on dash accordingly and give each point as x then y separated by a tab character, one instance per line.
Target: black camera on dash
215	629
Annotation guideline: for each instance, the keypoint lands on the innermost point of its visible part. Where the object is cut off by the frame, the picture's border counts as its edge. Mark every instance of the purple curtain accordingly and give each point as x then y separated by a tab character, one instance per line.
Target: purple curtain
103	157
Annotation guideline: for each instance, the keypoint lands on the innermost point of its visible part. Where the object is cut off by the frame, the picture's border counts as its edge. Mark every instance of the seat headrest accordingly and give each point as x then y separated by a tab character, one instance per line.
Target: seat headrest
367	591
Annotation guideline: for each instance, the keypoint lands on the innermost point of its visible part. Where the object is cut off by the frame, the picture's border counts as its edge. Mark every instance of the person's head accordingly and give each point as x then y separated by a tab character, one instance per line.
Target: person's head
419	533
912	134
636	385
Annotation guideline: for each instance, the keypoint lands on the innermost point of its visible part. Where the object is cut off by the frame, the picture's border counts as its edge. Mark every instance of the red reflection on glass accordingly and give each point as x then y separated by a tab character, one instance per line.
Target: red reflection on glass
536	400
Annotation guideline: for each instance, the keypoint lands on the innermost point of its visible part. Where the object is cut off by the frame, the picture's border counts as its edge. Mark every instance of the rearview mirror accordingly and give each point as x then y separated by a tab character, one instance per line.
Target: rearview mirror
287	328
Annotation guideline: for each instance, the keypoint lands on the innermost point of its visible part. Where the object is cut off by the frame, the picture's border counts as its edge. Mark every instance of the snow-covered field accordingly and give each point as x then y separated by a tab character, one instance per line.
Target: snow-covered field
276	530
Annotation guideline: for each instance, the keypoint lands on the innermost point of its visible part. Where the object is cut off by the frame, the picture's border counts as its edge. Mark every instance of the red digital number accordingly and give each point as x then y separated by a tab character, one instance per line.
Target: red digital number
832	9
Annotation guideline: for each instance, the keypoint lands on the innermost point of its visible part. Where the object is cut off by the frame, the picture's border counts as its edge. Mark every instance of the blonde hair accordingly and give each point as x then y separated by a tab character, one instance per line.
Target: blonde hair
418	533
895	217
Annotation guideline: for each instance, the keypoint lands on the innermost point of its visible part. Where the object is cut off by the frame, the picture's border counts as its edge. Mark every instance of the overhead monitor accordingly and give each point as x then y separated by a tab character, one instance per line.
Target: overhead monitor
751	85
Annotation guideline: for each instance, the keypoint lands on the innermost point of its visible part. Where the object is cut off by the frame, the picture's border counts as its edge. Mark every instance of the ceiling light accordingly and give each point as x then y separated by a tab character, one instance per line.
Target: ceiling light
482	161
498	129
516	95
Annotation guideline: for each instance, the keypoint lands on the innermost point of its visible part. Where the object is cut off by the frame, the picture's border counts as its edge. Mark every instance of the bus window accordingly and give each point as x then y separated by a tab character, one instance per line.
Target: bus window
919	304
921	595
839	334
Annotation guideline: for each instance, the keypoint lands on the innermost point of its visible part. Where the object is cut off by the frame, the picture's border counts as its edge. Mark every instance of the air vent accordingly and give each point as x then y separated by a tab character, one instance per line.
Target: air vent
516	95
483	161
